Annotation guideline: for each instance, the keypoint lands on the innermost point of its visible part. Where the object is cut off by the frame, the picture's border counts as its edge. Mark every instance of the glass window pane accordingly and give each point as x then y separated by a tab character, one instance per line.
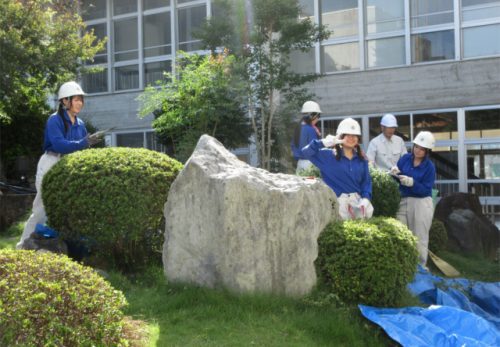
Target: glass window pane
482	123
100	32
439	45
480	9
340	16
302	62
384	15
443	125
446	161
189	19
149	4
481	41
307	8
127	77
126	39
341	57
124	6
152	142
431	12
403	129
95	82
386	52
157	35
483	161
153	72
93	9
135	140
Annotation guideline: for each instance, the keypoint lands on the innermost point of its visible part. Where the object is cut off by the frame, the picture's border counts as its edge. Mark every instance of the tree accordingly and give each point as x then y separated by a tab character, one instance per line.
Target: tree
43	43
273	89
205	99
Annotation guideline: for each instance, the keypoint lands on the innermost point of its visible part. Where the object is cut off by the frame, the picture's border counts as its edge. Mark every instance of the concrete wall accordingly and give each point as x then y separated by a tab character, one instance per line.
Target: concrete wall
430	86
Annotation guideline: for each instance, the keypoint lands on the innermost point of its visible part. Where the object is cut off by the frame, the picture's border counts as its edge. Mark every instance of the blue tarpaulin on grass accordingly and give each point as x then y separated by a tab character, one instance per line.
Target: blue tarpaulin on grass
462	313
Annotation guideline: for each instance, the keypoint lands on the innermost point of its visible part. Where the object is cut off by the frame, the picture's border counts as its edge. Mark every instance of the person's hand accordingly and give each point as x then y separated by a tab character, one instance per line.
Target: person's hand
394	170
406	180
94	138
330	141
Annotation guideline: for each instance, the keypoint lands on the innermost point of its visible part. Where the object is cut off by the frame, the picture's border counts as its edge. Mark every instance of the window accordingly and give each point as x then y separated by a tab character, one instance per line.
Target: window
480	27
386	52
150	4
95	82
156	35
125	39
443	125
306	8
124	6
127	77
384	16
134	140
189	19
93	9
403	129
341	57
302	62
482	124
153	72
432	36
340	16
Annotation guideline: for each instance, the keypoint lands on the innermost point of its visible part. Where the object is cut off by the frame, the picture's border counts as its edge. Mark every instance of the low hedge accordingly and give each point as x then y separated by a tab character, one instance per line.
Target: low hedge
367	261
50	300
111	199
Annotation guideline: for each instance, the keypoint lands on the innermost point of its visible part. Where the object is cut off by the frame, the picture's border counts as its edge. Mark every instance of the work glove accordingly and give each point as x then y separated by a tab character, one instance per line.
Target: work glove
406	180
330	141
95	138
394	170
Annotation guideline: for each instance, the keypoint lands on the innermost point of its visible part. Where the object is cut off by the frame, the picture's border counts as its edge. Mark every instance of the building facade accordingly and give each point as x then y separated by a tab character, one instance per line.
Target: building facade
435	64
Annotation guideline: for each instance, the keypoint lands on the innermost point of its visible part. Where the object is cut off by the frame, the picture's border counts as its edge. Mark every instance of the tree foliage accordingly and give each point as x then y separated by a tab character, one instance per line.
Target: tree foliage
43	43
205	99
274	91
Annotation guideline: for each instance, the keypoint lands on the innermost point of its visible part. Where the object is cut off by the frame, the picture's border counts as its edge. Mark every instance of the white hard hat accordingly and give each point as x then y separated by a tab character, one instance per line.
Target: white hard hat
425	139
348	126
69	89
388	120
310	107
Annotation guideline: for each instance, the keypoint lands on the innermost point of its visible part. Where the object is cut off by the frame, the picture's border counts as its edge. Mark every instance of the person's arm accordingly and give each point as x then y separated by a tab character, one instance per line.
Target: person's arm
423	184
366	182
59	144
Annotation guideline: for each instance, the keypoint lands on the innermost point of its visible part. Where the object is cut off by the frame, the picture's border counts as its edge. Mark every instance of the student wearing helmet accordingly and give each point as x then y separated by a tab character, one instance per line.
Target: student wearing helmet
64	133
344	169
385	150
305	132
417	174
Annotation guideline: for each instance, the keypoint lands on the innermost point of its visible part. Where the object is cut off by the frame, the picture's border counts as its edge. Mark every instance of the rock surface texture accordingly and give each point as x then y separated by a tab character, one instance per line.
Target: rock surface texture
234	226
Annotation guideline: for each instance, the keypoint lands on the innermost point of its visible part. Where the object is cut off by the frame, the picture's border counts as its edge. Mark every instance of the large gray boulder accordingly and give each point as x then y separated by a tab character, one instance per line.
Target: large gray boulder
235	226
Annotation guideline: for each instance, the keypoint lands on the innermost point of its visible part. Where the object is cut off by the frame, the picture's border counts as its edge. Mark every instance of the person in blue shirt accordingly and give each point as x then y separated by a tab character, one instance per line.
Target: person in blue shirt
64	133
416	174
344	169
305	132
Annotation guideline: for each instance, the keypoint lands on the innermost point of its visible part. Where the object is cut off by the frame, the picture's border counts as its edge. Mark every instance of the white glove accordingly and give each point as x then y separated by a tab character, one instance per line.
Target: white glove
394	170
406	180
330	141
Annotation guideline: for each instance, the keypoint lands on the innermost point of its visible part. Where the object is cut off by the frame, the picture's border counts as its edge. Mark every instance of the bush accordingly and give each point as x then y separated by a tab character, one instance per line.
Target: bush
311	171
49	300
385	194
438	237
367	261
113	199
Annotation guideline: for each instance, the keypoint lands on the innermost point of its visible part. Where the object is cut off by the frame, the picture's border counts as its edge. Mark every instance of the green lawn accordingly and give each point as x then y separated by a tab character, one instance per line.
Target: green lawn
186	315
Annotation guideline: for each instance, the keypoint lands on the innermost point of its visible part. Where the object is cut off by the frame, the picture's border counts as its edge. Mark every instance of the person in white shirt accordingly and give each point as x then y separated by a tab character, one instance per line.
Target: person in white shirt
385	150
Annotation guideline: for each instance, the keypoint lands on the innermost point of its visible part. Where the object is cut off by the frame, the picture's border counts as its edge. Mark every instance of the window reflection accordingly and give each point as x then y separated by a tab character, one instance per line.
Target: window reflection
443	125
439	45
341	57
483	161
341	16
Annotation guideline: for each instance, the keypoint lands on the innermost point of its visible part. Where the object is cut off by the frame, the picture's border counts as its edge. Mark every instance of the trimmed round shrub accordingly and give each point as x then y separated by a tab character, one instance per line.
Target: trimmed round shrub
367	261
385	194
50	300
438	237
111	200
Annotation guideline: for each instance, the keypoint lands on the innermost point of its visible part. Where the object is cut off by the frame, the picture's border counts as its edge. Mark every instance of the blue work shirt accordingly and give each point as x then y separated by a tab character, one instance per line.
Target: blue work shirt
423	175
307	134
344	175
58	140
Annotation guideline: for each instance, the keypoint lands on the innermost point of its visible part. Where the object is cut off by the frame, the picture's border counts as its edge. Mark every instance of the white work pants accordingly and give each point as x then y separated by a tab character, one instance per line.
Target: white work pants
417	214
349	207
38	212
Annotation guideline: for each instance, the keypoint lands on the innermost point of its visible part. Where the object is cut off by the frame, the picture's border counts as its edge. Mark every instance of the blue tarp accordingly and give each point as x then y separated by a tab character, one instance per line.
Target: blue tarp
462	313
